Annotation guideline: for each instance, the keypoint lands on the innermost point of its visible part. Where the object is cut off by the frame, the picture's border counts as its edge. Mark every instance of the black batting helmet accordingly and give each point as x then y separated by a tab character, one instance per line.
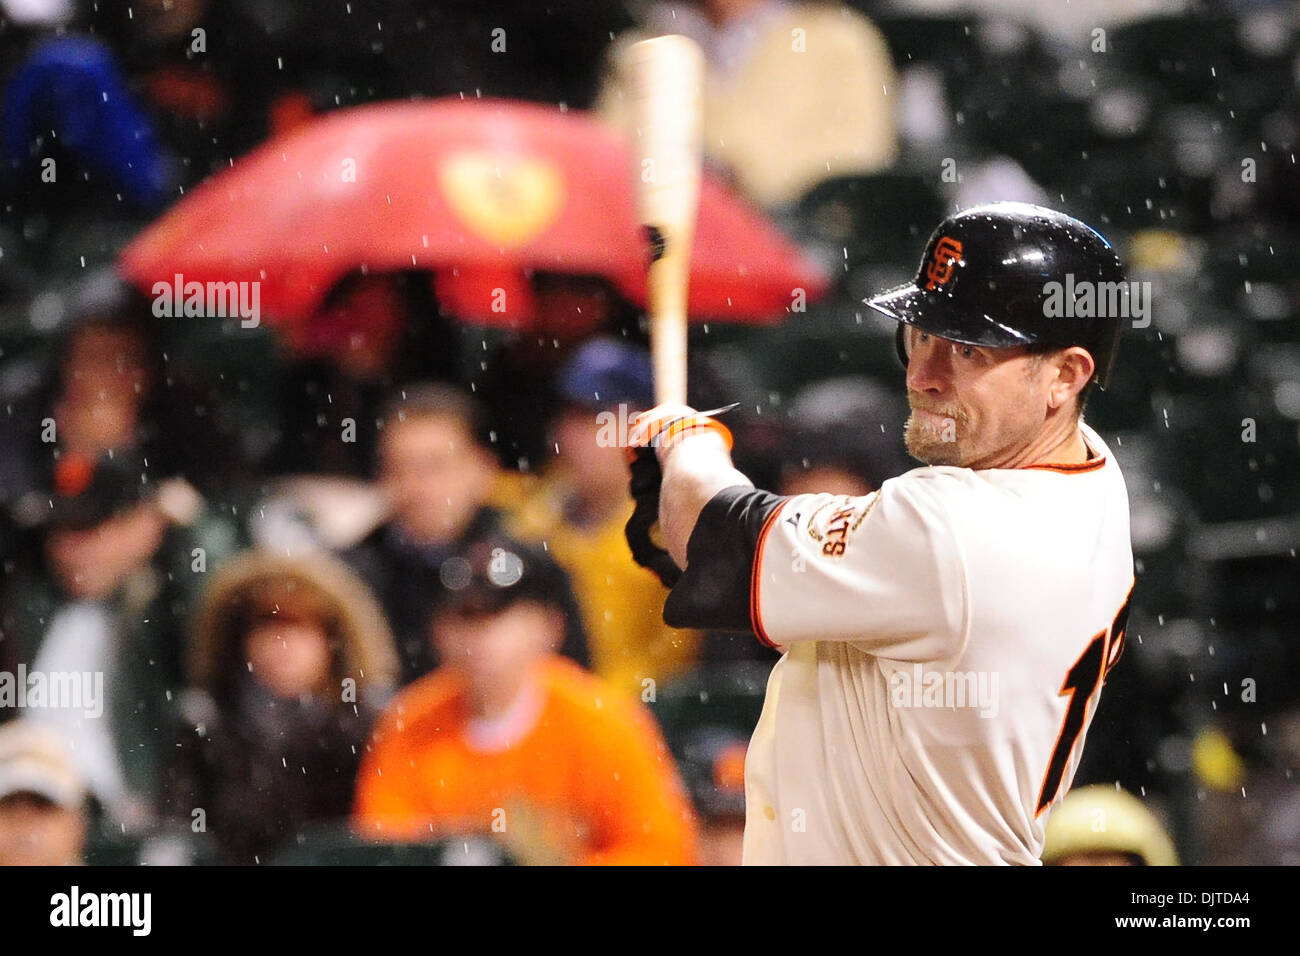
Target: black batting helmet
1011	274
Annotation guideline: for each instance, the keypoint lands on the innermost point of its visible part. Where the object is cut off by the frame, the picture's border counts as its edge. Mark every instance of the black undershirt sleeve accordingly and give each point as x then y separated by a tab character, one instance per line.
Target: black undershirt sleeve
713	592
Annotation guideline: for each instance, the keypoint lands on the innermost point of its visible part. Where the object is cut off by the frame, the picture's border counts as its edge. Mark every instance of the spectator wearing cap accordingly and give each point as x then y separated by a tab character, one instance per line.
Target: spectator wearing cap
290	660
580	508
110	392
519	379
438	474
42	799
114	564
508	738
1101	826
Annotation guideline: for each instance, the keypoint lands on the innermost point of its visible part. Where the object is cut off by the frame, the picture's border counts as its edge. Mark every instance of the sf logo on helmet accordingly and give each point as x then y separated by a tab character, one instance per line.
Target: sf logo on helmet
947	254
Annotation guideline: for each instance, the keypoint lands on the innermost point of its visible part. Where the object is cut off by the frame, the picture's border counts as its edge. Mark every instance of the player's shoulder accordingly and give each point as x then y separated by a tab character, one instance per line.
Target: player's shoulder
933	487
911	509
923	488
951	493
933	498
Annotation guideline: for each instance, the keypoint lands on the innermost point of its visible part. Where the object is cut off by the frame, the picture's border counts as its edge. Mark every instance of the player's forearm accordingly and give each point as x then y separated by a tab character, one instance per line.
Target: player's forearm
695	469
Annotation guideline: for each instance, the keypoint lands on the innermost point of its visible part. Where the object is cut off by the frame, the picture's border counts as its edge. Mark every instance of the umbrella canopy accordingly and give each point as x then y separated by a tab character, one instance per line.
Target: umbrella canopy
478	192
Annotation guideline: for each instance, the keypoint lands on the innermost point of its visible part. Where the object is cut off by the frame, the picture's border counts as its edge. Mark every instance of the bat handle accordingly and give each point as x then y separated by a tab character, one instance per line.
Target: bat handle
668	279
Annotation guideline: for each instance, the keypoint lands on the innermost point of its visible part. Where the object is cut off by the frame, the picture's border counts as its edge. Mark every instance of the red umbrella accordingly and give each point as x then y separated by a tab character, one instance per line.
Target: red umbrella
475	191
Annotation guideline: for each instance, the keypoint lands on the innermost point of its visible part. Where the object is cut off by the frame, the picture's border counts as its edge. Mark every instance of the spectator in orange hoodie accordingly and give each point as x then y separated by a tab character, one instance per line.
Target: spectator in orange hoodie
509	738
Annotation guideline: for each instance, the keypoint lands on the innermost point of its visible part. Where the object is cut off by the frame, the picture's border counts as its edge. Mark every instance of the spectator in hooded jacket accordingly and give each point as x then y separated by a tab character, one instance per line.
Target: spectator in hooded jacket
290	660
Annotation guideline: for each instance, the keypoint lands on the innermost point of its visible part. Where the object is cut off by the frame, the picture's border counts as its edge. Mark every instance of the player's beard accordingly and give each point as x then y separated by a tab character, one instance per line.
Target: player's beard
936	441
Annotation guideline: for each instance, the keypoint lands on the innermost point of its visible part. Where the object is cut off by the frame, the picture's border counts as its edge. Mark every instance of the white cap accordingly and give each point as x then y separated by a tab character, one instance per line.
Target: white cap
35	759
32	13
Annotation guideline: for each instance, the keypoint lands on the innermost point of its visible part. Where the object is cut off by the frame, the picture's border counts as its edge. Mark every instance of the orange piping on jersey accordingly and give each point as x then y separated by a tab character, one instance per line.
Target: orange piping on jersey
1115	642
757	574
1072	469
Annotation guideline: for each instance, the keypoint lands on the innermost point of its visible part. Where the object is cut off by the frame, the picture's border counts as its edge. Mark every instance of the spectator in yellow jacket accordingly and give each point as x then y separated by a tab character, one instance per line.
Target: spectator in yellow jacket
580	507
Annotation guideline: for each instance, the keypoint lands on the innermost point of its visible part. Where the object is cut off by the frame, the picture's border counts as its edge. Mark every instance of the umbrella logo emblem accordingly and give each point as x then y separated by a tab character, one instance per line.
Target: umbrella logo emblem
507	201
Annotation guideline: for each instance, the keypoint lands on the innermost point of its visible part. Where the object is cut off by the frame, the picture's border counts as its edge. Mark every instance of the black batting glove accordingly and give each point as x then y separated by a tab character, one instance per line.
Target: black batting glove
647	479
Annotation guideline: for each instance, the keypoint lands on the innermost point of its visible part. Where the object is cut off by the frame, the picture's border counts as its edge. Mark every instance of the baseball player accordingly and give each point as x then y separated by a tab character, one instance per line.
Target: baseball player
946	637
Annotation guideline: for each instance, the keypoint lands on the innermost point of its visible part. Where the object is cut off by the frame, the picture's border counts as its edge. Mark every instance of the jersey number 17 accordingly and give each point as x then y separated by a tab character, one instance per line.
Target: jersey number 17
1081	685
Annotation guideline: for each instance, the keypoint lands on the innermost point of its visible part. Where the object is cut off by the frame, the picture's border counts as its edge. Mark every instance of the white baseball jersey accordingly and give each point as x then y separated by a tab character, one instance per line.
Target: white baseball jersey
946	641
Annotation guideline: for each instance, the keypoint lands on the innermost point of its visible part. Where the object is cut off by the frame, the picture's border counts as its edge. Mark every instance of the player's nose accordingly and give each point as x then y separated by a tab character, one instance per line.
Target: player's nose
929	365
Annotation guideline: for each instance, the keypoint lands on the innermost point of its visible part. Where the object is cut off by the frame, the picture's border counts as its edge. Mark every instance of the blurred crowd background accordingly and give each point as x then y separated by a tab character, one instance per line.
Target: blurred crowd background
357	585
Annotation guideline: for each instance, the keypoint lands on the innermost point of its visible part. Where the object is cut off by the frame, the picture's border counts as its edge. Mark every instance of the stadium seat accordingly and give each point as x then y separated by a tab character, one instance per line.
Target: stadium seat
1130	189
951	43
1234	453
728	696
339	845
1187	55
164	845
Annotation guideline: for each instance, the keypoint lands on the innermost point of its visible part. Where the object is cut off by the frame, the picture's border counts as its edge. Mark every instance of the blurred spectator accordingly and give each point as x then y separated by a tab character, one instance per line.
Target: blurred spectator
1248	813
995	179
290	661
846	438
119	561
519	384
768	120
112	393
42	799
714	767
72	135
371	333
581	506
1278	834
1103	826
507	738
708	717
438	474
218	78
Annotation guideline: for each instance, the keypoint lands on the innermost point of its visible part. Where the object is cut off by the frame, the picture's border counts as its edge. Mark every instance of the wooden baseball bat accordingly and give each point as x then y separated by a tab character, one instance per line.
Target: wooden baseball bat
667	75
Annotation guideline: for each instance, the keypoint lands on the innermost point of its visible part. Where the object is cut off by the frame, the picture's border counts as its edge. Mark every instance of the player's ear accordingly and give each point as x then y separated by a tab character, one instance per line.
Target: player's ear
1074	367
